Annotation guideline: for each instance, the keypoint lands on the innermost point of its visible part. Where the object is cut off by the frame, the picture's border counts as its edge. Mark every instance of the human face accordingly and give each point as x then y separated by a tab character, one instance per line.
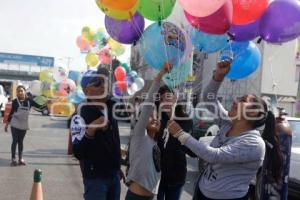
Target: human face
21	93
245	108
153	125
96	91
167	101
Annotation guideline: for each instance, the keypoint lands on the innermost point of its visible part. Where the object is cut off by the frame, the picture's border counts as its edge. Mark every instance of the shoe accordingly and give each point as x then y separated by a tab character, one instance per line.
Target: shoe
22	162
13	163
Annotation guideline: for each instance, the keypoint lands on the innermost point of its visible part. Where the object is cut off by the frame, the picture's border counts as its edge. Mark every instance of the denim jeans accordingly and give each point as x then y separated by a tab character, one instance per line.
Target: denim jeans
102	188
169	192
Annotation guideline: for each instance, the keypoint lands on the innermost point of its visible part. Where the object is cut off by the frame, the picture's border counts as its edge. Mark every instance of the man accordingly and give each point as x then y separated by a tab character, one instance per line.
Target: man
96	140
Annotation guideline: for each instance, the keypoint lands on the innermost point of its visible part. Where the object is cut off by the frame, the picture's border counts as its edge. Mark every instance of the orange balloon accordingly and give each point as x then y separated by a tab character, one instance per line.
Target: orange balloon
118	9
247	11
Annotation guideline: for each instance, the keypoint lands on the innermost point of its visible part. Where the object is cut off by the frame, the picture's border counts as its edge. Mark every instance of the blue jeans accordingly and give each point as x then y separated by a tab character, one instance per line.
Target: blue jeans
102	188
169	192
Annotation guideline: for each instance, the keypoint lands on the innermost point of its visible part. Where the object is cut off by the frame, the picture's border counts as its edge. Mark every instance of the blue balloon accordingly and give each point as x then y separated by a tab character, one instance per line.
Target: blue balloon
208	43
74	75
133	74
246	59
178	75
129	80
77	97
162	43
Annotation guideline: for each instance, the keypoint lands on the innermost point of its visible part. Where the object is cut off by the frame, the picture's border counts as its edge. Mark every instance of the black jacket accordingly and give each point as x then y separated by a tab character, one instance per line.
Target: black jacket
173	157
100	157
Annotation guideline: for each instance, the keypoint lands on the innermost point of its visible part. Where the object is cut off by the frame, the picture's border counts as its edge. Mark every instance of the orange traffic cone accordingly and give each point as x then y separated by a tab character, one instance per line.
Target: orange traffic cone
36	192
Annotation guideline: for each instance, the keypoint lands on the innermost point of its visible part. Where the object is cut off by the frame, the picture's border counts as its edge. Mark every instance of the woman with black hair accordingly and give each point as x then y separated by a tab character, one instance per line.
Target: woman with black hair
238	151
173	154
18	120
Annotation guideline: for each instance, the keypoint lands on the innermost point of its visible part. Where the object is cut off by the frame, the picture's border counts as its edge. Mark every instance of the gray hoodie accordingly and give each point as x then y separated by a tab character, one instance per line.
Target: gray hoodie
232	161
144	154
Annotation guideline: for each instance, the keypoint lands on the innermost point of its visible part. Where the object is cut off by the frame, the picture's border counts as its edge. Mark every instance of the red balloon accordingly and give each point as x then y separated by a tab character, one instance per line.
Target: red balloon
216	23
120	73
247	11
122	85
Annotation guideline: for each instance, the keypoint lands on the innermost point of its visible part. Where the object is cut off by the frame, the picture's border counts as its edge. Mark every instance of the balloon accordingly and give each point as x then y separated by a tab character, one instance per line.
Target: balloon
156	10
122	85
201	8
281	21
162	43
208	43
46	88
140	83
77	97
118	9
83	44
126	67
87	34
125	31
244	32
117	49
247	11
35	88
117	92
189	47
75	76
246	59
129	80
105	56
100	38
66	87
120	74
91	59
60	73
133	74
216	23
46	75
132	89
178	75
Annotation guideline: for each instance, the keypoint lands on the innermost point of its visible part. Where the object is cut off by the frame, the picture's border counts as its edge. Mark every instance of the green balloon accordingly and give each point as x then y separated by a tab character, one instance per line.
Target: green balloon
126	67
156	10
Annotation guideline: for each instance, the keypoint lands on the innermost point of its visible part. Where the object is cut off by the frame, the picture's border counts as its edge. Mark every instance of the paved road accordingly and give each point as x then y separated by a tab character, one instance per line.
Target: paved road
46	148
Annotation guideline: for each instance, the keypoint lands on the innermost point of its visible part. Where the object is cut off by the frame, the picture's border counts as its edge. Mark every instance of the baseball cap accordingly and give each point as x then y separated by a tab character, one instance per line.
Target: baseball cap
93	77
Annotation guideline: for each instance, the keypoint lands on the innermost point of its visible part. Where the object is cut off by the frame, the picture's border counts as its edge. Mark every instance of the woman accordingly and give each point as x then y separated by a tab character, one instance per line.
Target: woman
18	120
237	152
144	155
173	154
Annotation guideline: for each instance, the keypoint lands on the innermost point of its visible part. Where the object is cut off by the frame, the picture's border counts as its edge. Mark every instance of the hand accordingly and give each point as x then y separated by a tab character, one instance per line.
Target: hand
173	128
222	69
122	176
6	128
167	67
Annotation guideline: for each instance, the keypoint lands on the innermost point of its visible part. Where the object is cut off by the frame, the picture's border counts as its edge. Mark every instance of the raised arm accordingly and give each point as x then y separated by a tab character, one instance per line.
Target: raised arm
148	104
211	90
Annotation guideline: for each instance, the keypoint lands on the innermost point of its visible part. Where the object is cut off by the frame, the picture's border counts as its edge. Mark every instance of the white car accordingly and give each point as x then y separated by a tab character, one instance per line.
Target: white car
3	100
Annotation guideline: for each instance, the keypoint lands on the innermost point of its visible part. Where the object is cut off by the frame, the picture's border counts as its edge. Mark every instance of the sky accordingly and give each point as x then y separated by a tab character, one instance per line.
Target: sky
49	28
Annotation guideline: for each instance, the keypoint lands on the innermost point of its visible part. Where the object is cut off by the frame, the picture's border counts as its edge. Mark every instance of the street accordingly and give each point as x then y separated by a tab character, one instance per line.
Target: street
45	147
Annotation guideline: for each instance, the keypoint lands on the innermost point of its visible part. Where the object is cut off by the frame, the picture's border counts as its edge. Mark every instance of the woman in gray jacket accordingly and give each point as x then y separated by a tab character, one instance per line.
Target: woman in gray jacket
144	154
237	152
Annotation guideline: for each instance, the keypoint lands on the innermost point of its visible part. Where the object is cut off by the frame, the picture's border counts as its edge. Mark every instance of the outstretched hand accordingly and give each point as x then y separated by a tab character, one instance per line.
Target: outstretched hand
222	69
167	67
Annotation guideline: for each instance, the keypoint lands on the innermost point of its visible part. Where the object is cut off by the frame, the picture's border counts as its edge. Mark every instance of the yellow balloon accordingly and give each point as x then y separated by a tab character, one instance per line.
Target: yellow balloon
116	47
118	9
46	75
92	59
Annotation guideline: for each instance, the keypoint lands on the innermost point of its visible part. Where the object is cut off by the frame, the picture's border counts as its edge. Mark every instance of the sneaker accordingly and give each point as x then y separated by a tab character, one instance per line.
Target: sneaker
13	163
22	162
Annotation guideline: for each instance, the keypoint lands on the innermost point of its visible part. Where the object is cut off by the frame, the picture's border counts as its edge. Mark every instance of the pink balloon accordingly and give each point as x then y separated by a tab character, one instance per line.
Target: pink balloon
82	43
216	23
201	8
105	56
66	87
120	74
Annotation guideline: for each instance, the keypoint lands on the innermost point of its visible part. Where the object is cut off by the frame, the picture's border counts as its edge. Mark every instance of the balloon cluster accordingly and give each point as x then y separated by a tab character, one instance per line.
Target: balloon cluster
99	47
58	82
127	80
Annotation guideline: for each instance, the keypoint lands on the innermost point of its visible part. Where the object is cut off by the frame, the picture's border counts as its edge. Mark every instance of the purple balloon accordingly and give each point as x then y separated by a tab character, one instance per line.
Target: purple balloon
281	21
244	32
125	31
117	92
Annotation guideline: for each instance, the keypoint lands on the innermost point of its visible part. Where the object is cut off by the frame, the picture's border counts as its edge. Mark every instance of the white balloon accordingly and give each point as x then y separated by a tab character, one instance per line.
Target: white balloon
140	83
60	73
35	88
132	89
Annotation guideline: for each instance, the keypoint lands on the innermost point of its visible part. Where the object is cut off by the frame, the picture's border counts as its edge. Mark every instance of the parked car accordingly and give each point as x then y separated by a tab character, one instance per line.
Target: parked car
3	100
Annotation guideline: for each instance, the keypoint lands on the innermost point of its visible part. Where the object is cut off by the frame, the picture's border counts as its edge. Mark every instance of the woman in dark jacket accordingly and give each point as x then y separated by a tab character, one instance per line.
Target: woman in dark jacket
18	120
173	154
